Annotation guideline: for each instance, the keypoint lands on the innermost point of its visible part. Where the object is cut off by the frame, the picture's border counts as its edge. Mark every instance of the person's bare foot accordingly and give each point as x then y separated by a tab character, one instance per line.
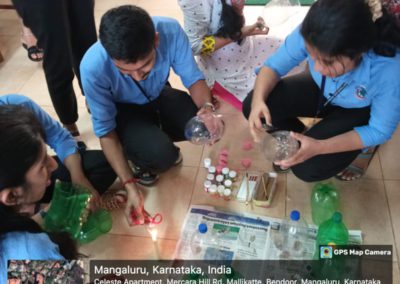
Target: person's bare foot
358	167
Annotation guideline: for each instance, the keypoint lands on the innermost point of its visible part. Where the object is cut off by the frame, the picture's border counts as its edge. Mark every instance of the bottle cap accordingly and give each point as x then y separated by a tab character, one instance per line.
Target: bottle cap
210	177
203	228
227	192
228	183
225	171
219	178
221	189
213	188
232	174
295	215
337	217
212	170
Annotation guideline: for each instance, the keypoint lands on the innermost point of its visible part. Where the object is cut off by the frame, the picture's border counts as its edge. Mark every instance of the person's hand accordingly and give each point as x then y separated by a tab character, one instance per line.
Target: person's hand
259	110
95	200
134	206
258	28
309	147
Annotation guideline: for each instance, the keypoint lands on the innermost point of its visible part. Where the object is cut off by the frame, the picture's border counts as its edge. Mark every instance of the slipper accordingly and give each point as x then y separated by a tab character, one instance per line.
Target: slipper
357	171
34	50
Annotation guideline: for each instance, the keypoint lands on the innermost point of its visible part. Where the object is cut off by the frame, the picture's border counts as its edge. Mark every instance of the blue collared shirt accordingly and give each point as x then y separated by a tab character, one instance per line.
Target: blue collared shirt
104	85
375	82
57	137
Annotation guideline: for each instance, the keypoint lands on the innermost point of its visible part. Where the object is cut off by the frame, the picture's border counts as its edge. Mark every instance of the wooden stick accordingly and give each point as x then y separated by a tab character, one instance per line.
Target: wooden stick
247	188
265	189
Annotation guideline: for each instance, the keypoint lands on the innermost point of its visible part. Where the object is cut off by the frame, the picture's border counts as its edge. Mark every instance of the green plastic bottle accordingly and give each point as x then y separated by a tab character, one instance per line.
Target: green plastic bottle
333	231
97	224
324	202
68	209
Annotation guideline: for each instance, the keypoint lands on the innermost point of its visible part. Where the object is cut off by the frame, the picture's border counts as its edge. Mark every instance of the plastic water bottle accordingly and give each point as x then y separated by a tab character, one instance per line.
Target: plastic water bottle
333	232
199	238
294	231
97	224
324	202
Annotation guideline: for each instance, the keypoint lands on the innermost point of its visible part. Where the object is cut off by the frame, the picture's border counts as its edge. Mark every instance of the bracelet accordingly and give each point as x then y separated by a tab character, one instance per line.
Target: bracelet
131	180
210	105
207	45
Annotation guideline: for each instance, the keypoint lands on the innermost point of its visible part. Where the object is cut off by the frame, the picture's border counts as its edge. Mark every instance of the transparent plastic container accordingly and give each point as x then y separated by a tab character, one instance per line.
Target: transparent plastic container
292	237
204	129
324	202
279	145
199	240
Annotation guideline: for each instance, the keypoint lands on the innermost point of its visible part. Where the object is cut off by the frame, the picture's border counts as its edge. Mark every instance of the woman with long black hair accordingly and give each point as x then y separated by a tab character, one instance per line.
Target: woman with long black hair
352	48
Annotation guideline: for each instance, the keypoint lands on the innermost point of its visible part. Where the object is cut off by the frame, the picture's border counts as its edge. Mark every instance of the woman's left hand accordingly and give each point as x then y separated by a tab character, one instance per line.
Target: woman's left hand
309	147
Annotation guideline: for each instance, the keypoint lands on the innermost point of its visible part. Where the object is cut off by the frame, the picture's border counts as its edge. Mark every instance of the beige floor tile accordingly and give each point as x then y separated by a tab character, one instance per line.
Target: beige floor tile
396	273
235	135
170	197
390	155
10	23
125	247
277	208
393	195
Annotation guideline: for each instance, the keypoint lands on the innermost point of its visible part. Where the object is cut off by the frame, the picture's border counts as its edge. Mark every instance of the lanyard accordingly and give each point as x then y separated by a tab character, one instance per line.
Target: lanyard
141	89
331	97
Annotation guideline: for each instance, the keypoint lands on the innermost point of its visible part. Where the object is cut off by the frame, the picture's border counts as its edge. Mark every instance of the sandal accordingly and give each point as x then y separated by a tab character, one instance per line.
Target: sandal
114	199
34	53
357	171
29	42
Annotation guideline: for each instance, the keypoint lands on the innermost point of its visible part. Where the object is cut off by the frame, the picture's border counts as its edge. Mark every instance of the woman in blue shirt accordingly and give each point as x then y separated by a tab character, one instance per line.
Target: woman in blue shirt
89	169
25	172
352	85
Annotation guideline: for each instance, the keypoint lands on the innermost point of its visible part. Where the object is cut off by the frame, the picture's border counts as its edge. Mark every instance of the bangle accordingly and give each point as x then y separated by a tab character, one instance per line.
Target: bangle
131	180
209	105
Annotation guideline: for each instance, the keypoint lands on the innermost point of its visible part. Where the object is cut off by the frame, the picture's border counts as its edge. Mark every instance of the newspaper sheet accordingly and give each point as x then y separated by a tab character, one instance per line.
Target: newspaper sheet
231	236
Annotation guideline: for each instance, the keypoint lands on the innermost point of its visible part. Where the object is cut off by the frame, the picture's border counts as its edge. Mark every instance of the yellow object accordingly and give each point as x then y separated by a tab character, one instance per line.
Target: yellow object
208	45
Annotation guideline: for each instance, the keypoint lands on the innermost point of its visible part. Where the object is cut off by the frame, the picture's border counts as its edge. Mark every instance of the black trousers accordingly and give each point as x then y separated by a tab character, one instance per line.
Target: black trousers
147	132
96	168
65	29
299	96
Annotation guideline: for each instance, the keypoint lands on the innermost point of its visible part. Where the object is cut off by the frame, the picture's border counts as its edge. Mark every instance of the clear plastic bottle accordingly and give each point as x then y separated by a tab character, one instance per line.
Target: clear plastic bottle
198	241
294	232
324	202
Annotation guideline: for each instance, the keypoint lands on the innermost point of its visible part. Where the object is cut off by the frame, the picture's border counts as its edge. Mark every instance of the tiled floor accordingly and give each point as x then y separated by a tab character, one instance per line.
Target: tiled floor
370	204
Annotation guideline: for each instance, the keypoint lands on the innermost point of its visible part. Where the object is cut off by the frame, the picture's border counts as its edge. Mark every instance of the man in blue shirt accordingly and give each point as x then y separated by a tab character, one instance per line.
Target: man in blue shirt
135	114
89	169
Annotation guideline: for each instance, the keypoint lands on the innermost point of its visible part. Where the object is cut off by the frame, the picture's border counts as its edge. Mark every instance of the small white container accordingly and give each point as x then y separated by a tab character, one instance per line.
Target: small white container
220	190
207	163
219	179
228	183
210	177
207	185
212	170
233	175
227	194
213	190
